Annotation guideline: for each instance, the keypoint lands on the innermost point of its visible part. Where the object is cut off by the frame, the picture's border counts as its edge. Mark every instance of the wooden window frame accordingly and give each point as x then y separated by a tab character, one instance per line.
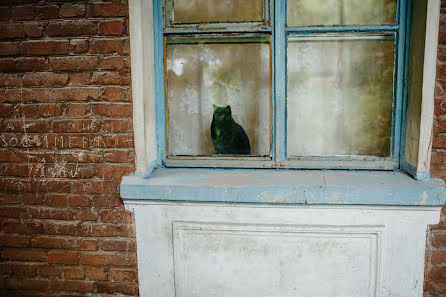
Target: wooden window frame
148	90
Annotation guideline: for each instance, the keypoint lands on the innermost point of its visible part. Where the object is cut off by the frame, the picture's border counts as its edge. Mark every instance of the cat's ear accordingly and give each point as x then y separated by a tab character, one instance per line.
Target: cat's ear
214	106
228	107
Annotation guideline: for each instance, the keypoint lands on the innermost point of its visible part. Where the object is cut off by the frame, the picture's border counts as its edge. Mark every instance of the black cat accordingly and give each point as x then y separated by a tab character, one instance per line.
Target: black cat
228	136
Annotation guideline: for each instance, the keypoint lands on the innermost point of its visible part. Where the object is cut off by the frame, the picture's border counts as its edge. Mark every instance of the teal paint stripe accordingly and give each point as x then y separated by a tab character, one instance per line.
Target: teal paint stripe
415	172
399	92
273	80
403	164
224	28
278	187
159	80
280	79
343	28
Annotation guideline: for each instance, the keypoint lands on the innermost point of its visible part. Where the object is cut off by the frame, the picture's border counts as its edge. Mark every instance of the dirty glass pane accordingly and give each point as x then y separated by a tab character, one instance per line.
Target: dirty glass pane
340	12
223	78
217	11
339	95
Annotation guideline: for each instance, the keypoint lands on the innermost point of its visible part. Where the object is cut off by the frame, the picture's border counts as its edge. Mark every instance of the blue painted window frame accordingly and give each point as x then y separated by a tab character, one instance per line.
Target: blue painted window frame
276	25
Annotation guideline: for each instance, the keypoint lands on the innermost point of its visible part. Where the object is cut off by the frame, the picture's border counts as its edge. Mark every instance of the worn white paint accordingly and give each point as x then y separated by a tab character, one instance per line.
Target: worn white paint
143	82
422	73
197	249
429	75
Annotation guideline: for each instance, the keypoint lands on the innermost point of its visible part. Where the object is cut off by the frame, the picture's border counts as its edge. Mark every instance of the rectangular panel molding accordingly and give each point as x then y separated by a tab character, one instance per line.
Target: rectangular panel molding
207	249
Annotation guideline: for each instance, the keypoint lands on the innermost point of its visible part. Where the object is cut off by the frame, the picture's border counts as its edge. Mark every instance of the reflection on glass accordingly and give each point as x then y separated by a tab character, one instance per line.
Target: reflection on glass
227	79
216	11
339	98
340	12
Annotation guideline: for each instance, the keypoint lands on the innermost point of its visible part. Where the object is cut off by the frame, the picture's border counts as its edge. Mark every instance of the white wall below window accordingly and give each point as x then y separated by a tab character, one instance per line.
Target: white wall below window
203	249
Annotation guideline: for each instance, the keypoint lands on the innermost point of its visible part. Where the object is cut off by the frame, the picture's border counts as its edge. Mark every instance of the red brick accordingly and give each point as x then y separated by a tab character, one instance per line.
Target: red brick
18	125
8	240
48	12
31	64
20	270
115	156
45	79
86	214
113	94
4	13
117	288
45	48
67	229
114	171
108	9
28	111
439	141
27	284
114	245
27	95
101	259
73	63
74	94
107	201
9	80
79	46
104	231
11	31
75	126
27	228
80	78
9	48
72	285
123	275
88	245
55	199
72	28
113	141
113	110
5	111
113	63
126	231
77	109
49	270
96	273
73	10
51	242
21	13
50	110
115	126
109	46
115	28
439	239
33	29
8	65
107	78
24	255
438	257
76	201
62	257
74	273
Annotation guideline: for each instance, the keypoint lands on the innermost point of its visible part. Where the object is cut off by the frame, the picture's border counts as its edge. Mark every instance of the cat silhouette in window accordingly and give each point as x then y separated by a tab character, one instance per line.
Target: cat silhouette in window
228	137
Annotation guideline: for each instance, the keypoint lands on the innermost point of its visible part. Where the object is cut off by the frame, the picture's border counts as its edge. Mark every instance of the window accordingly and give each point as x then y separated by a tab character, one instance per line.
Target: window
309	86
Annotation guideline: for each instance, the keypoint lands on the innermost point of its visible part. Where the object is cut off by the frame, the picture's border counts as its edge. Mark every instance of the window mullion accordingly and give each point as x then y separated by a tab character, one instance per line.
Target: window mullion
280	80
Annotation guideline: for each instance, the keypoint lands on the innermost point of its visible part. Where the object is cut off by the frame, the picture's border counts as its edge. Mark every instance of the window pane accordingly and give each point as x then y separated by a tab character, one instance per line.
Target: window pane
340	95
217	11
340	12
204	77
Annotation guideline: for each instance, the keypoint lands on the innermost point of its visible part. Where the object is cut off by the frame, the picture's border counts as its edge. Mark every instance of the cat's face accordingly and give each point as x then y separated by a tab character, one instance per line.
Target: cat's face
222	114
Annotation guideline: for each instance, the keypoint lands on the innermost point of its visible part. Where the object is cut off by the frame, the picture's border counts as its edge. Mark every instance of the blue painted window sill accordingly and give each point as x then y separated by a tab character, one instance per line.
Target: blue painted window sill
305	187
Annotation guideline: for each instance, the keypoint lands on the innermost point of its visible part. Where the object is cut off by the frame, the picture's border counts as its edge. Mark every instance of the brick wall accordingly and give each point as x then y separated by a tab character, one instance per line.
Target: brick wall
435	270
65	141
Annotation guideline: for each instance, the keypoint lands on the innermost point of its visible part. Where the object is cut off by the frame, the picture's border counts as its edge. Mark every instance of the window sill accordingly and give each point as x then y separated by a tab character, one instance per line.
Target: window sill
297	187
